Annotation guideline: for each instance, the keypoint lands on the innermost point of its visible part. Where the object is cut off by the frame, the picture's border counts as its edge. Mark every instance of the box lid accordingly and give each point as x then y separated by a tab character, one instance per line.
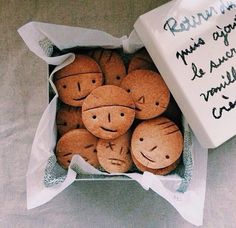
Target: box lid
193	44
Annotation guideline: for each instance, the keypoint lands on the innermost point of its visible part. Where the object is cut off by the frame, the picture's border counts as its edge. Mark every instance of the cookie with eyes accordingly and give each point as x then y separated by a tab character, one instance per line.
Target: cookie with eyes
149	92
108	112
68	118
114	155
78	141
76	81
141	60
156	143
111	64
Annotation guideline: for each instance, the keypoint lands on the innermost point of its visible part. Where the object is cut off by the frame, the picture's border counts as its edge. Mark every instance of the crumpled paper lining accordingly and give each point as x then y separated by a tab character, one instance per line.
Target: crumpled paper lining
184	189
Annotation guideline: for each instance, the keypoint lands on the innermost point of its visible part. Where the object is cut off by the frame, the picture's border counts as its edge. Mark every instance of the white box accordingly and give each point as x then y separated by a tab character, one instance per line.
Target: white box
193	45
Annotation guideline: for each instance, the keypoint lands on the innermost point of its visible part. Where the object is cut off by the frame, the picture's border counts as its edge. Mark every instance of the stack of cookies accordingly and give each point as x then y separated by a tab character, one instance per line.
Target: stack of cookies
113	115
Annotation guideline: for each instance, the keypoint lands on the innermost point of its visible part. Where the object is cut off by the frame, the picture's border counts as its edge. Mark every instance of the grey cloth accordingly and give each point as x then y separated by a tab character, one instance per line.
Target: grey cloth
23	99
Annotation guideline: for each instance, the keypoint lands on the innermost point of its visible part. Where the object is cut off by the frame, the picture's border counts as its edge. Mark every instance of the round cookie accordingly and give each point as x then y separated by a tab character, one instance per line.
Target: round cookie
114	155
108	112
149	92
78	141
162	171
68	118
75	81
111	64
157	143
141	60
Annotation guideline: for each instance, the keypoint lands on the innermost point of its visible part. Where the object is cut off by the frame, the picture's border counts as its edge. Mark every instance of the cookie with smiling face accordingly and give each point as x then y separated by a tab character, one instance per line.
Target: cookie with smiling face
141	60
149	92
111	64
156	143
68	118
76	81
78	141
114	155
108	112
162	171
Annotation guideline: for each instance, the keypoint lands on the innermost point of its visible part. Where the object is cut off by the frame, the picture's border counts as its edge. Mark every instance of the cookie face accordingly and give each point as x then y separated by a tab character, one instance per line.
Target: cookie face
157	143
76	81
114	155
141	60
111	64
78	141
149	92
162	171
108	112
68	118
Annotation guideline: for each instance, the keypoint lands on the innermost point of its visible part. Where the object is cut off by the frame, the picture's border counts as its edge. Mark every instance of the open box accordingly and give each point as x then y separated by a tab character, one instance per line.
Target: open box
210	131
173	113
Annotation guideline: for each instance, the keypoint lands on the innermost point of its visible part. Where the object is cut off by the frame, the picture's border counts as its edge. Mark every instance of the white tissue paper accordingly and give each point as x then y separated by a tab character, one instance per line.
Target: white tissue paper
184	189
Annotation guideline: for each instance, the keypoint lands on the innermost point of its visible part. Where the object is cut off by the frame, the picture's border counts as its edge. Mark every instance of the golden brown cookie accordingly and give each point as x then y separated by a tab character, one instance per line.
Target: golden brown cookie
149	92
78	141
111	64
114	155
141	60
157	143
108	112
162	171
76	81
68	118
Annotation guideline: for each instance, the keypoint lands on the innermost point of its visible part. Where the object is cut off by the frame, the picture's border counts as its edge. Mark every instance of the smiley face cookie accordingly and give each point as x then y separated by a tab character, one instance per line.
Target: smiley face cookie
78	141
162	171
108	112
141	60
111	64
75	81
149	92
156	143
68	118
114	155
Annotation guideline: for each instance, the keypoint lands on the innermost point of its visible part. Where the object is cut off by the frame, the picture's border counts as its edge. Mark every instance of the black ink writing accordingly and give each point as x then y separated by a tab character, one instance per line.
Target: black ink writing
198	73
218	112
228	55
183	53
224	32
230	79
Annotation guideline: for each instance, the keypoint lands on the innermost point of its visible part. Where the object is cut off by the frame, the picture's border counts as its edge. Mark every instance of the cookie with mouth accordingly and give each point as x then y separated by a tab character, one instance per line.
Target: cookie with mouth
162	171
76	81
141	60
156	143
108	112
111	64
149	92
114	155
68	118
78	141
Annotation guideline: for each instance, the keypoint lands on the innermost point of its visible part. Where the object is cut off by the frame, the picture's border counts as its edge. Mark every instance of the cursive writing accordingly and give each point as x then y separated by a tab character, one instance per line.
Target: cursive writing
186	24
228	55
183	53
230	79
224	32
197	73
218	112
